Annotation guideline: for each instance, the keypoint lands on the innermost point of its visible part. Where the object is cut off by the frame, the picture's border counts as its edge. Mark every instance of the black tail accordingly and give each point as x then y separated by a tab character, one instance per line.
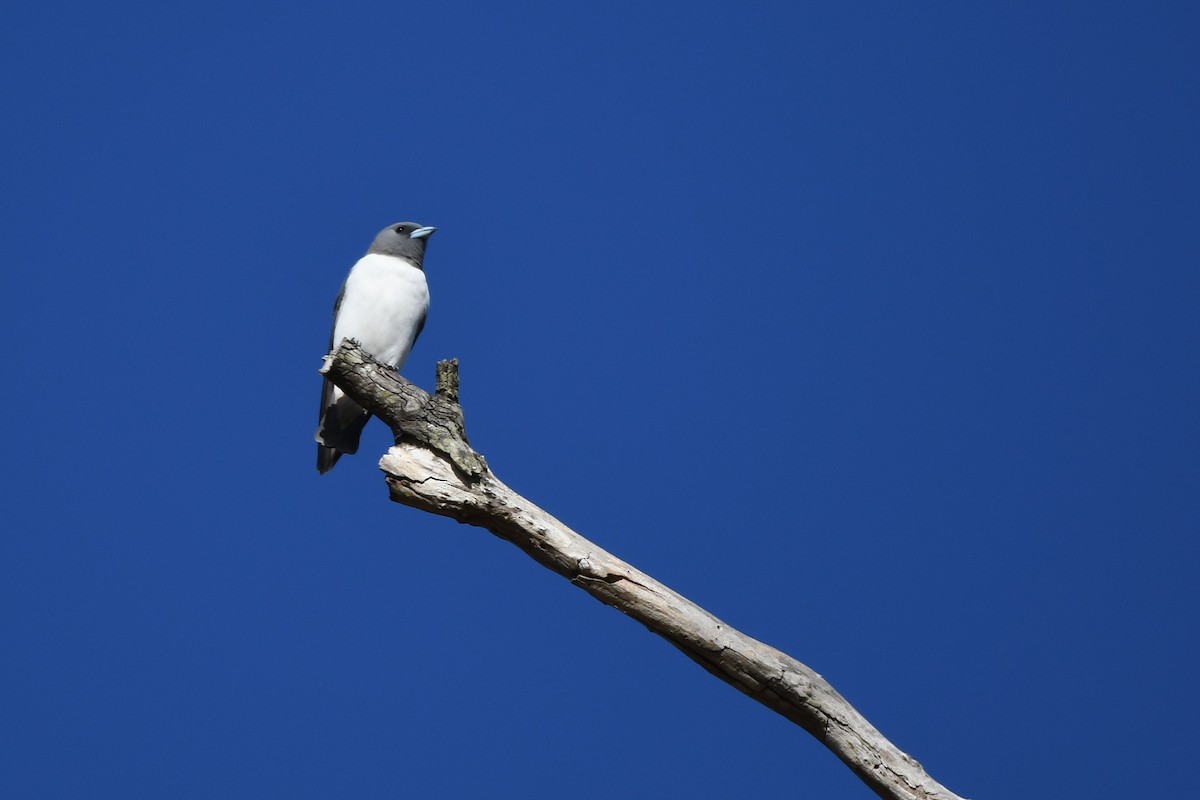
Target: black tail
326	458
339	430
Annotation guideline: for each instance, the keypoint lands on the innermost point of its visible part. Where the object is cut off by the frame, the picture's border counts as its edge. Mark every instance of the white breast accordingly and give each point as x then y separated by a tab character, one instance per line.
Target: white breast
385	300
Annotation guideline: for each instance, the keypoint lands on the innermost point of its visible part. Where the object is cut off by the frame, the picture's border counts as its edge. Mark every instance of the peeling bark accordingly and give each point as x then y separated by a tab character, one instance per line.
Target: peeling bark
433	468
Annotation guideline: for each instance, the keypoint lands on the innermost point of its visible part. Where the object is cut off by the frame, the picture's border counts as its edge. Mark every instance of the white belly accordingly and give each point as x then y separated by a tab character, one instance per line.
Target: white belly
385	301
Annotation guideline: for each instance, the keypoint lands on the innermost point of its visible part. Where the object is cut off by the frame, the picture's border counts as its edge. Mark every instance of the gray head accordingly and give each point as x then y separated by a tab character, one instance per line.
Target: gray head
403	239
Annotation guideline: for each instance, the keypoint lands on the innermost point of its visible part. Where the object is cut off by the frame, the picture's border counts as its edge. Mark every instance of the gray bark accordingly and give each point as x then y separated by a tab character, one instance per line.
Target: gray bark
433	468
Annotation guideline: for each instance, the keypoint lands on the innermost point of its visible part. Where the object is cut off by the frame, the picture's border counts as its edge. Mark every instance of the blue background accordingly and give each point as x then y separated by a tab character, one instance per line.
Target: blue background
871	329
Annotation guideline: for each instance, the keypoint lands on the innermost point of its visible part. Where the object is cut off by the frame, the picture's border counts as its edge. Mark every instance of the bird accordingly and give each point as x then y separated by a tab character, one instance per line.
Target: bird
382	305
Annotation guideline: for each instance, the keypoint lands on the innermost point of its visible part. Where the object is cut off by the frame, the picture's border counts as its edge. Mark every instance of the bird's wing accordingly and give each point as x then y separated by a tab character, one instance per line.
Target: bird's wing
420	325
337	306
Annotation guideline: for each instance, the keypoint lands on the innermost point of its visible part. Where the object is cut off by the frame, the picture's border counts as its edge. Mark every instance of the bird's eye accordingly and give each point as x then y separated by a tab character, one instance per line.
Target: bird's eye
399	229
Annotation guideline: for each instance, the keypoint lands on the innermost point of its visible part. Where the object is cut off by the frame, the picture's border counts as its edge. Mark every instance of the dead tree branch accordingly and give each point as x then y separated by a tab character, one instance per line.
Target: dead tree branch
433	468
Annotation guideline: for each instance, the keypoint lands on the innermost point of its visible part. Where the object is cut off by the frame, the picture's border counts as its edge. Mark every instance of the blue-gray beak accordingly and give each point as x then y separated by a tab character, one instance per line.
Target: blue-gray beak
421	233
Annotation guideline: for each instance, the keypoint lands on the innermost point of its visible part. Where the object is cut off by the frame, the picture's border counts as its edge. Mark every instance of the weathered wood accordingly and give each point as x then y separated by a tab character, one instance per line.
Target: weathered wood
412	413
433	468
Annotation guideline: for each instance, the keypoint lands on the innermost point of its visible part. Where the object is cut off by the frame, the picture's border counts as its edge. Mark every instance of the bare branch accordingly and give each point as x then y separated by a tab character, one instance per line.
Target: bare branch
433	468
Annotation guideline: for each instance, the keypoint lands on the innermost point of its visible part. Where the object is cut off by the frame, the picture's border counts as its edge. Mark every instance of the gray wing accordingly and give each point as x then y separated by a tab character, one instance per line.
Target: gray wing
337	306
420	327
340	423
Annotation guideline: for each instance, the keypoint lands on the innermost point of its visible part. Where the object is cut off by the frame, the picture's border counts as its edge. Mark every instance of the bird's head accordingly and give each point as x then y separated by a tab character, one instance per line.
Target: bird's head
404	240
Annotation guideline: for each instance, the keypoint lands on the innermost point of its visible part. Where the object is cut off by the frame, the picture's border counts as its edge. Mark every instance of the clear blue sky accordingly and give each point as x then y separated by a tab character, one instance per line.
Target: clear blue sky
874	330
